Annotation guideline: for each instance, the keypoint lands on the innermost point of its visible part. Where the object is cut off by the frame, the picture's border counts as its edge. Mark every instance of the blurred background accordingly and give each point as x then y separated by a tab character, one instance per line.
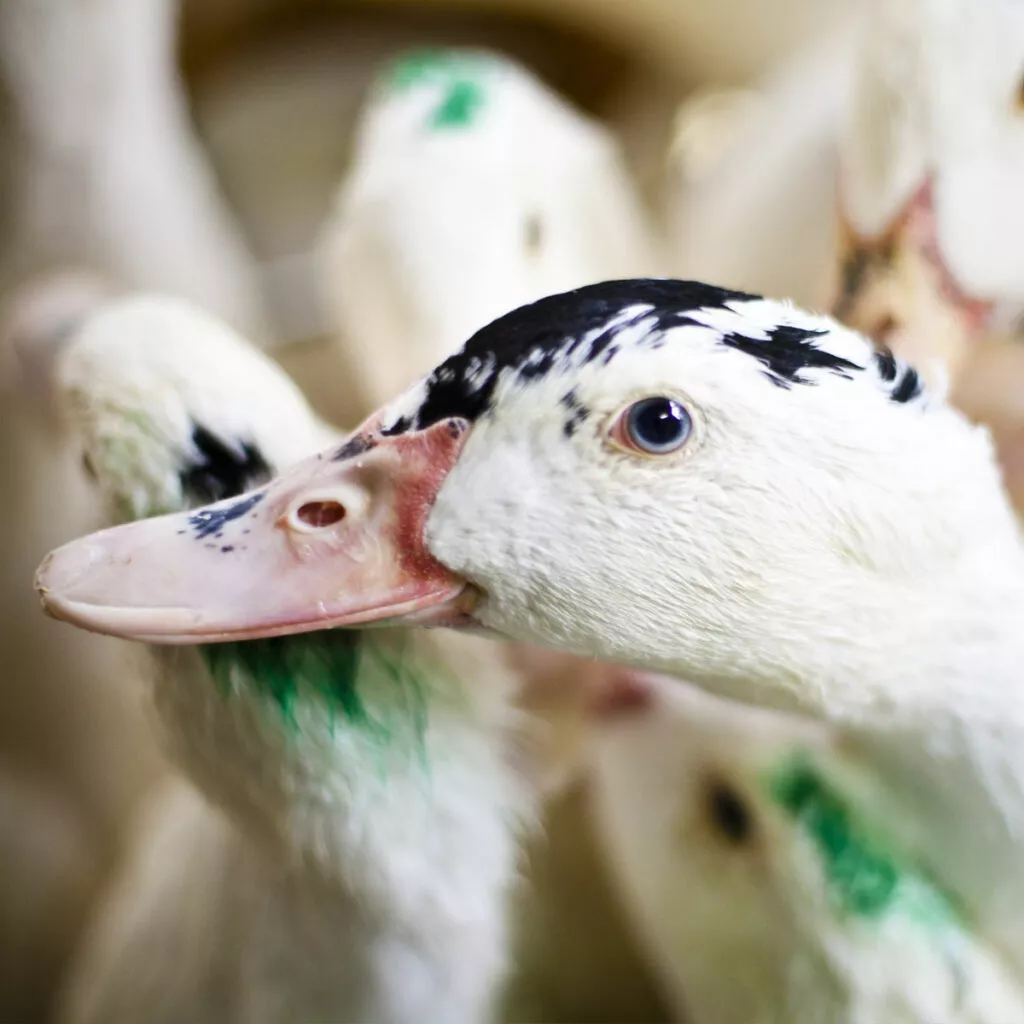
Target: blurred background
196	148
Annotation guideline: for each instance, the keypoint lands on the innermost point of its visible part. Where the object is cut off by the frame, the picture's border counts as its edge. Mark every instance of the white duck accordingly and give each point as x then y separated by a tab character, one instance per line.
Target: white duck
696	481
755	851
108	172
473	189
932	161
751	183
932	260
344	831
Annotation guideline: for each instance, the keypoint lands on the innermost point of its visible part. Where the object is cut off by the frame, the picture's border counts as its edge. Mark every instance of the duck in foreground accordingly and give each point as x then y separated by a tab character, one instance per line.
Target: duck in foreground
756	851
340	839
672	475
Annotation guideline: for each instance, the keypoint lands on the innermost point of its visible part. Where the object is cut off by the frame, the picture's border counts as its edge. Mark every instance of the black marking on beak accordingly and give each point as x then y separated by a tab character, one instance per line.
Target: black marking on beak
358	445
210	521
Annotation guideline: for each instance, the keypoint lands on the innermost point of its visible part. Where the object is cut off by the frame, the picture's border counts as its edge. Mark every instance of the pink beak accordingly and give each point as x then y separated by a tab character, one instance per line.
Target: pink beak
335	541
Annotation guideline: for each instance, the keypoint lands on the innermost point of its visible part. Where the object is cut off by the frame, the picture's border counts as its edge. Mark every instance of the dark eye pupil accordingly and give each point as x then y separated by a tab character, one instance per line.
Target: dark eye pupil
658	424
729	813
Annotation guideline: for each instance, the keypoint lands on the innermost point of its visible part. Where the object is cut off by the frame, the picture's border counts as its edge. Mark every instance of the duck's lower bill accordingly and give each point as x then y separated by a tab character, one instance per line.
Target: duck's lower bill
337	541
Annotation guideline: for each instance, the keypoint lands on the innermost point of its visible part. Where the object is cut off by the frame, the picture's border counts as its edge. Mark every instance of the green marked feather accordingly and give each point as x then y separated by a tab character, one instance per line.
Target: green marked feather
460	73
329	667
865	879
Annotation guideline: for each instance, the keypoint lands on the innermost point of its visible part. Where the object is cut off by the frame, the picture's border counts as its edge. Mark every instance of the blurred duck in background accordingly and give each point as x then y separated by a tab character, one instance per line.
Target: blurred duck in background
758	855
472	190
341	837
932	262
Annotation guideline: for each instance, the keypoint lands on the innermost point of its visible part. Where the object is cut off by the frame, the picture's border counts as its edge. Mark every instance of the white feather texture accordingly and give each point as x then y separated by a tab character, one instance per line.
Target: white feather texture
473	189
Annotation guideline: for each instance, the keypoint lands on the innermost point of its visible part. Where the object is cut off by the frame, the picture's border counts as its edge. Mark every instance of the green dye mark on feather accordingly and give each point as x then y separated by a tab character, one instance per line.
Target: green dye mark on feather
458	73
327	668
865	879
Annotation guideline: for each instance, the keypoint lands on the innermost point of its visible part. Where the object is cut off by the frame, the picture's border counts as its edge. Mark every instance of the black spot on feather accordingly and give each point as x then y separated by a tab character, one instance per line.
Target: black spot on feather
886	363
221	470
789	350
905	381
578	413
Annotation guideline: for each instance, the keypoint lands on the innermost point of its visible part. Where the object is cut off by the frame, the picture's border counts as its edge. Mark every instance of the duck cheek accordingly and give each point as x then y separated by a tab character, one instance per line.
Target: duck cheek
337	541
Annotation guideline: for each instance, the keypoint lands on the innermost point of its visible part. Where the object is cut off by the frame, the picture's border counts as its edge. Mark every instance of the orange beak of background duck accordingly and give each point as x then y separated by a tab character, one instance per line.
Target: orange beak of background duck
335	541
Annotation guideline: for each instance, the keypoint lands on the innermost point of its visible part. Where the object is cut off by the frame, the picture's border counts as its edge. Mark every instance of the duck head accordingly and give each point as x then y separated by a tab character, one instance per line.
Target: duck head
766	872
648	471
473	188
931	217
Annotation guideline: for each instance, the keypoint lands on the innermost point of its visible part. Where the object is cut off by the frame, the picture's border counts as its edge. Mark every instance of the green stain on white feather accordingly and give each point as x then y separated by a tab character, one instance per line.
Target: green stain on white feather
328	670
865	878
459	74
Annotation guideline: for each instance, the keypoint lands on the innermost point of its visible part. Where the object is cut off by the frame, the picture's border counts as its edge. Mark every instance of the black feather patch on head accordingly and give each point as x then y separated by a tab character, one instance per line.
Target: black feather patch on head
529	340
221	470
789	350
903	380
586	325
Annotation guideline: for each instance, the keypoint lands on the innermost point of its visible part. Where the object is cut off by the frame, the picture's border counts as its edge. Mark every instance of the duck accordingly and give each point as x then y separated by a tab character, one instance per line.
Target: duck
754	847
675	476
929	261
930	155
473	188
107	170
340	831
750	165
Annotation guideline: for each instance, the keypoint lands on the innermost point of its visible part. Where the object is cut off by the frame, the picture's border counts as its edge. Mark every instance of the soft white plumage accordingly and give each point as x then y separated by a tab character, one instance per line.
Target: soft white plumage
340	841
473	189
755	848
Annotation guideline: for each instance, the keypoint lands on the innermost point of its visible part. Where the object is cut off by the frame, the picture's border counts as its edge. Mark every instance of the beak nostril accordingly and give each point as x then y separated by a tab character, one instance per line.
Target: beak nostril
321	513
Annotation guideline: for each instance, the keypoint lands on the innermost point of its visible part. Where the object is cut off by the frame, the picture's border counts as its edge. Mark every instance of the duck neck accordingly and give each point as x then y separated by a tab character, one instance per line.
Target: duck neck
355	756
926	685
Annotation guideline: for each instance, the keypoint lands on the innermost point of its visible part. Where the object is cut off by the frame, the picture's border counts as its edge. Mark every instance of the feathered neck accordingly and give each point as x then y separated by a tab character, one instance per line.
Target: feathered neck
341	751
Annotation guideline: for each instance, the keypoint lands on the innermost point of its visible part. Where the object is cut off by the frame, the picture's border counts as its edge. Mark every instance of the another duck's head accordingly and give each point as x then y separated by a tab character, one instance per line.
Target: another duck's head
170	408
652	471
173	410
931	173
766	872
473	189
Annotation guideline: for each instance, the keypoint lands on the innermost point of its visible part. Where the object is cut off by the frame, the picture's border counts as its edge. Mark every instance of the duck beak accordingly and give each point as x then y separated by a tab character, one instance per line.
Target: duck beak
336	541
896	287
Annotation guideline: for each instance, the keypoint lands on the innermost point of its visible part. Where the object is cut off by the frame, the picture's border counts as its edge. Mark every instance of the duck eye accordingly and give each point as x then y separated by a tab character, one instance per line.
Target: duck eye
654	426
729	814
88	467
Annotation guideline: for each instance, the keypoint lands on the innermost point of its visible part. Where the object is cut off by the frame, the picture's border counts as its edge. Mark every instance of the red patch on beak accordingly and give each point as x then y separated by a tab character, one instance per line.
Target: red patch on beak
336	541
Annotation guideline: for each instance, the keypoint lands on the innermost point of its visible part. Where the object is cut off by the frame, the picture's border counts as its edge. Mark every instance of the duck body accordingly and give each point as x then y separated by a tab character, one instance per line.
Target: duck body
756	853
343	829
109	173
